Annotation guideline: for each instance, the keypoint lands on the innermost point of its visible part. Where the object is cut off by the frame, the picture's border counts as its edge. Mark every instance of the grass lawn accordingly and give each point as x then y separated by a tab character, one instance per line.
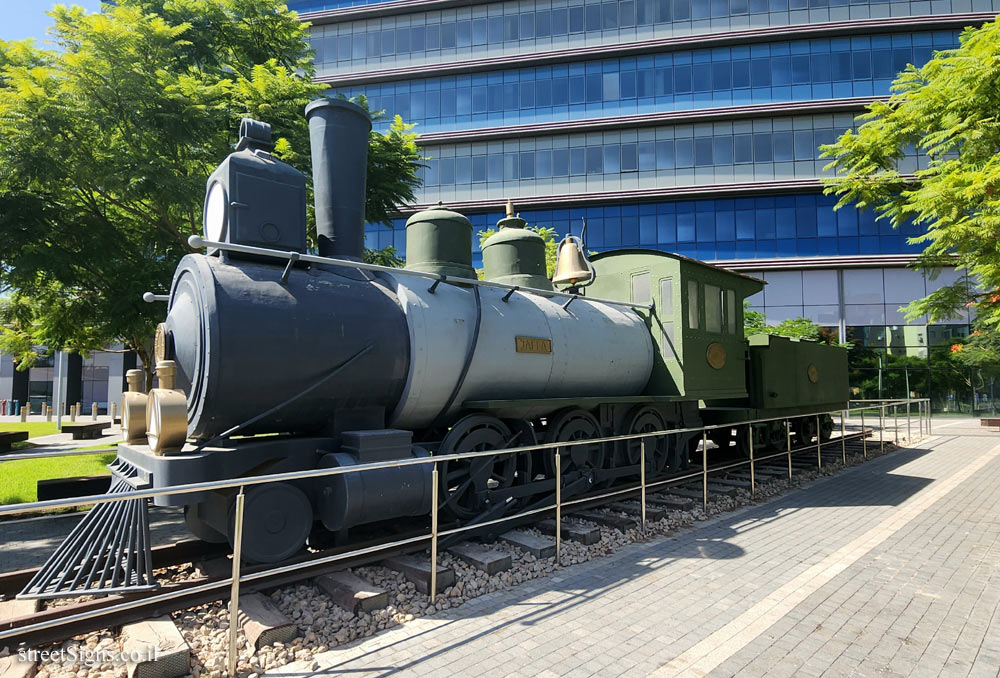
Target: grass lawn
34	428
18	478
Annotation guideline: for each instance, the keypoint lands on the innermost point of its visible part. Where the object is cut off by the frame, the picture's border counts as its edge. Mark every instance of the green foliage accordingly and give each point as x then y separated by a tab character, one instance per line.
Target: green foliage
384	257
548	235
106	143
755	322
947	111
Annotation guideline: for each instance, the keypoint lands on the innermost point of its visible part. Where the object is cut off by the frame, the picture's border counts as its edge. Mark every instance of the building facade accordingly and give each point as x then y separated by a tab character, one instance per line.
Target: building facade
692	126
98	378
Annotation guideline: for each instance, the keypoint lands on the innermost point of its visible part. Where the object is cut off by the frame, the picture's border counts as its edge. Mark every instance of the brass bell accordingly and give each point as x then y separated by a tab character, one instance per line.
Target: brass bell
572	266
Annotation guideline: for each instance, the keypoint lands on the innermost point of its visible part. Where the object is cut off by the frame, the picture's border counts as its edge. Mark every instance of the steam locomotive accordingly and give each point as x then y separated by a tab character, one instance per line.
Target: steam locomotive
272	359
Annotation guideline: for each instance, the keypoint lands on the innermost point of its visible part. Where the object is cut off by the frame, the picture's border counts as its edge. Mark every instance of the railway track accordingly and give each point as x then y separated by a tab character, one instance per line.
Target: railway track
69	620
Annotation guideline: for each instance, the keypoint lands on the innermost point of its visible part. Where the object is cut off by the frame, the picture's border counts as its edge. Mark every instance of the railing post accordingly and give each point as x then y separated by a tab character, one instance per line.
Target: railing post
929	417
234	598
642	480
558	508
753	485
881	429
704	469
434	532
843	441
819	453
788	444
920	419
895	423
864	434
909	432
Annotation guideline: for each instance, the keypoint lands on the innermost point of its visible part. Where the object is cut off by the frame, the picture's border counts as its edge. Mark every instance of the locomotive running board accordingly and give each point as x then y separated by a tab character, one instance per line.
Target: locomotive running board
107	552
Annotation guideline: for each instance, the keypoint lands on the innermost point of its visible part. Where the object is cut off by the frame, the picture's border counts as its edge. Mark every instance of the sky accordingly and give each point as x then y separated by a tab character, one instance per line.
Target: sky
28	18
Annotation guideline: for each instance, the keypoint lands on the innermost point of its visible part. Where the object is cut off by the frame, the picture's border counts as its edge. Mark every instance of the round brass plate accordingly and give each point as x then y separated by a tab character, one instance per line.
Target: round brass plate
160	343
716	355
813	373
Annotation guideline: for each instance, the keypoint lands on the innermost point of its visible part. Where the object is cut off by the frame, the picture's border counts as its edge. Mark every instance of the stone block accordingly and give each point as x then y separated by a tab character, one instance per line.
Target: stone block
418	571
158	640
540	547
351	592
263	623
634	508
572	530
618	522
489	561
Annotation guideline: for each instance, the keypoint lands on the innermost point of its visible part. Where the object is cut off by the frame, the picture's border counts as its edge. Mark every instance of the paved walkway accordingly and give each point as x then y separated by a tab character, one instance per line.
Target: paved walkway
891	568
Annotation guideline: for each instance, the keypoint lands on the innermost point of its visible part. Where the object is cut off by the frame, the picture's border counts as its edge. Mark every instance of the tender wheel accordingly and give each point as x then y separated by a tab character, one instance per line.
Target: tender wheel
277	519
774	435
464	483
646	420
825	427
574	424
804	429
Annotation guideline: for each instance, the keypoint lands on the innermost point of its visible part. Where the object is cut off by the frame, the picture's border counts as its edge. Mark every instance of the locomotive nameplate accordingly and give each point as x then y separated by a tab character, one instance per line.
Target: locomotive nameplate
532	345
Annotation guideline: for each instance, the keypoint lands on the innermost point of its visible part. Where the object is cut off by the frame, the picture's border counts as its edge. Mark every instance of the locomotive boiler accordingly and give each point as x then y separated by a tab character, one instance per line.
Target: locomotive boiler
274	359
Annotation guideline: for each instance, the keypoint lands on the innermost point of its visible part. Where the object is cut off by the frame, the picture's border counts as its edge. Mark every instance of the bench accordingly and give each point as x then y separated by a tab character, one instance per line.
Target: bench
85	431
8	438
68	488
986	421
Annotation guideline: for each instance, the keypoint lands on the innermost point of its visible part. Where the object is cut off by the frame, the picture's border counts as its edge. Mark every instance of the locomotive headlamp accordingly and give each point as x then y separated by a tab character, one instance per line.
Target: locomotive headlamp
252	198
215	212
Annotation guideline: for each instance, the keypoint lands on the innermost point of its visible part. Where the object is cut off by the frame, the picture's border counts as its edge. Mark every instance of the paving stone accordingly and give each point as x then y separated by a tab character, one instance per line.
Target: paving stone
614	520
351	592
572	530
418	570
885	569
482	558
161	643
263	623
539	547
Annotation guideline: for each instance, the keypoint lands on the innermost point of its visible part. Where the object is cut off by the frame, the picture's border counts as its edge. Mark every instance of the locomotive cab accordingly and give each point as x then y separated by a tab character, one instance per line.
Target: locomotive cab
696	321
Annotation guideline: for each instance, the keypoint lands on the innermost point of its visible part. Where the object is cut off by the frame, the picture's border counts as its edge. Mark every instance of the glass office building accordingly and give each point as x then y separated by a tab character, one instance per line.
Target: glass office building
691	126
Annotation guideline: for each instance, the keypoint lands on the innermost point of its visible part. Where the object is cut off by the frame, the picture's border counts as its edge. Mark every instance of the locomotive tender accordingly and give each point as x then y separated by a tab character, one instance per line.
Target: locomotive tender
289	361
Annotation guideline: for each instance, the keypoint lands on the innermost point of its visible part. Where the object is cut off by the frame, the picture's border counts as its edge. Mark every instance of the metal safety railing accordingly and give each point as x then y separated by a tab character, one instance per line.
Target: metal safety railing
234	583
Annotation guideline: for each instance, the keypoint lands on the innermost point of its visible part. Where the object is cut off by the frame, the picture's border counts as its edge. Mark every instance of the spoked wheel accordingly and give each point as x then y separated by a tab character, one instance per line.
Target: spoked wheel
825	427
804	429
463	483
569	425
645	419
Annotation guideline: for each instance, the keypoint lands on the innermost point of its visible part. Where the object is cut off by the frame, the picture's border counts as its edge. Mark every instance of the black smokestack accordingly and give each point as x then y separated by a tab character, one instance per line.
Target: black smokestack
338	137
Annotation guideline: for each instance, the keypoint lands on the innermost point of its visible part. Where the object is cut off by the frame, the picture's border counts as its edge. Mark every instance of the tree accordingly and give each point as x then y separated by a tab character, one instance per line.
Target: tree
946	112
755	322
105	146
